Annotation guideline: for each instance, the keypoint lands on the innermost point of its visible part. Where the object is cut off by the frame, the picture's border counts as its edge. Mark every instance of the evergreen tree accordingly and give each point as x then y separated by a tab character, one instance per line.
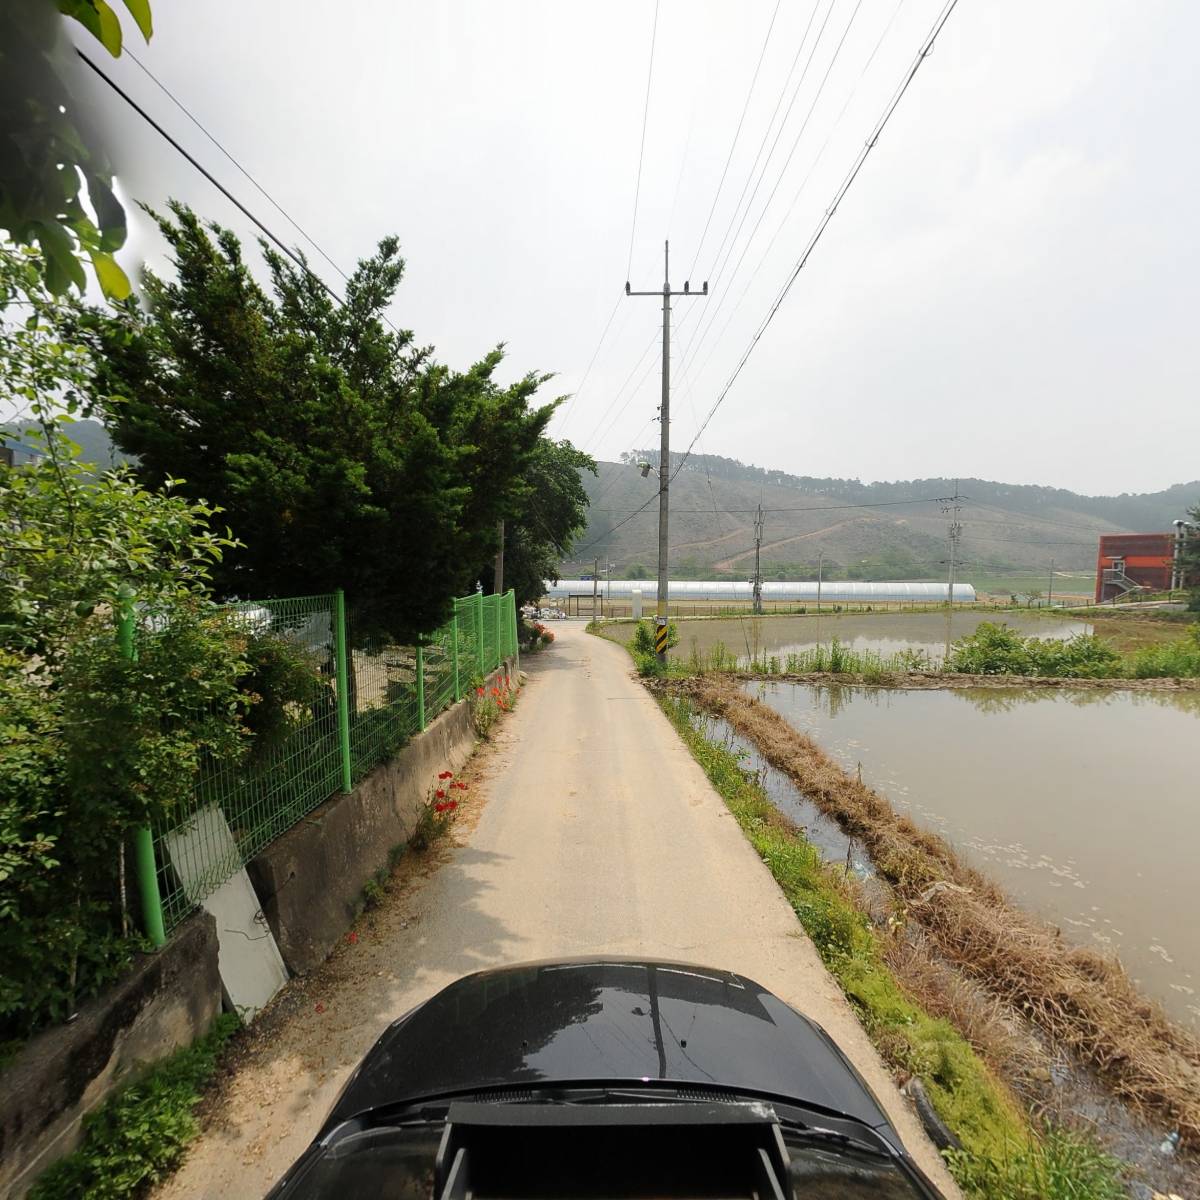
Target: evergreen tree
343	454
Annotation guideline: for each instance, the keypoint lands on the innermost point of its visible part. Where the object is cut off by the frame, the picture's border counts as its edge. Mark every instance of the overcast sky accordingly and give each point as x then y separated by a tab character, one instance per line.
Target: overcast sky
1010	290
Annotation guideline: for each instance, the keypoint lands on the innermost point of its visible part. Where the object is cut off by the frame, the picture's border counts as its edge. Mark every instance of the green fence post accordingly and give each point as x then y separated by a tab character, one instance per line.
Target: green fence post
454	654
420	686
496	606
516	639
479	633
143	839
343	686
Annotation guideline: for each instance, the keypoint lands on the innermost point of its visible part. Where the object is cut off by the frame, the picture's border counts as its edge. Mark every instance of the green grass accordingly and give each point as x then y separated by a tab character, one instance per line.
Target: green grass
1002	1156
137	1136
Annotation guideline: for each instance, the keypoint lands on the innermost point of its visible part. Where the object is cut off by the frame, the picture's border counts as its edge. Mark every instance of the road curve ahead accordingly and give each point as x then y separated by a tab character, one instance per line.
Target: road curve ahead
600	834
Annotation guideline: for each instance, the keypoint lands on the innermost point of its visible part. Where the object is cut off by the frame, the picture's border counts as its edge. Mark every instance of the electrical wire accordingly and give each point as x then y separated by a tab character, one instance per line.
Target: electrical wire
268	233
591	363
590	440
922	54
712	314
267	195
803	508
637	191
686	363
736	134
717	270
637	387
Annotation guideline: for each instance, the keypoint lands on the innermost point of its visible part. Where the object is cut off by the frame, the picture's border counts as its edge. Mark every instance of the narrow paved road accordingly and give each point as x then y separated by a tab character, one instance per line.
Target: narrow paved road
599	834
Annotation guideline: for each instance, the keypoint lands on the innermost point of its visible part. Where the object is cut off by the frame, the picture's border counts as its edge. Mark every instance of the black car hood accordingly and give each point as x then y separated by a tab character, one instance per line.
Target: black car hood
601	1022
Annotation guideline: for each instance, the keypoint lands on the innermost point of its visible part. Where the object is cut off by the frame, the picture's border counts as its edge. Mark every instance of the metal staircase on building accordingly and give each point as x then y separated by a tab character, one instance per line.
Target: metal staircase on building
1118	579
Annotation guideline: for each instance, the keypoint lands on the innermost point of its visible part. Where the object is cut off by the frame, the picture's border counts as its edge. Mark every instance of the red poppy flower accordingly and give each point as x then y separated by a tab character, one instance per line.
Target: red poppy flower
446	806
479	691
352	938
440	793
445	774
319	1008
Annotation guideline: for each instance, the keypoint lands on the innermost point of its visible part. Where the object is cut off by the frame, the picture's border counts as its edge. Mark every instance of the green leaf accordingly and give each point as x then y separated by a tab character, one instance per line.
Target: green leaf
108	211
110	28
140	11
113	281
62	267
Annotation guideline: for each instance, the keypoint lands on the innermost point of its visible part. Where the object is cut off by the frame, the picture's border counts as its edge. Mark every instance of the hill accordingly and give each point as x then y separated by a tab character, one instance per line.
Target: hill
892	530
95	446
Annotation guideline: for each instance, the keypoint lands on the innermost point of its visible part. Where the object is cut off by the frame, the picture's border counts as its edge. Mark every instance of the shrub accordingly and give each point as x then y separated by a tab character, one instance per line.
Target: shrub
999	650
1178	660
643	637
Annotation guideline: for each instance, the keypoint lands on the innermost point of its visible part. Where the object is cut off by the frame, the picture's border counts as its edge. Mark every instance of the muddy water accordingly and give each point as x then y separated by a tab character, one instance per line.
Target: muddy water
885	633
1083	805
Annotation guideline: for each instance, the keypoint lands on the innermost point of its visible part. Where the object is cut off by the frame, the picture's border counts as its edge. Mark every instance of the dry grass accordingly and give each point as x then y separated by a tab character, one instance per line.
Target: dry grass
1081	1000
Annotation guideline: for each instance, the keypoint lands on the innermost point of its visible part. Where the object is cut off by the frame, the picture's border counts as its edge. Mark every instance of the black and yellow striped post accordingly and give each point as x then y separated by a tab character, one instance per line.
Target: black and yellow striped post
660	638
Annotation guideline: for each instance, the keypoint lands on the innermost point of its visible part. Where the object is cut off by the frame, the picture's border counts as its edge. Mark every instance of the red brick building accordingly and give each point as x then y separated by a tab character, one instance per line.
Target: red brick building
1128	562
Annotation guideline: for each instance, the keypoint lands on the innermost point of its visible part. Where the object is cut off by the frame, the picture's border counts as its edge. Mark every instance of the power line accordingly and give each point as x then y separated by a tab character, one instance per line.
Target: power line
801	508
766	254
296	258
617	394
922	54
591	363
195	121
636	390
733	145
637	191
618	525
698	336
720	271
633	225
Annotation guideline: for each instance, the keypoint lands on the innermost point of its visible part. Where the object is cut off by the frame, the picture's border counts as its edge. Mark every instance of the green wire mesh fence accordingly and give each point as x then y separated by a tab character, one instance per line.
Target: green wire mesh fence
392	692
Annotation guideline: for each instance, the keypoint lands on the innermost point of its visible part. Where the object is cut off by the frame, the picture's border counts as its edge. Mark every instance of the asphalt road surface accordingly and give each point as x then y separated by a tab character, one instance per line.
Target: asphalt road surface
591	830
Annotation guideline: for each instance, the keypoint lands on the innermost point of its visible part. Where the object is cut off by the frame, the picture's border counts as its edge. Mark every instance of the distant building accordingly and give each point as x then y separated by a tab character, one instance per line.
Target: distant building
1132	562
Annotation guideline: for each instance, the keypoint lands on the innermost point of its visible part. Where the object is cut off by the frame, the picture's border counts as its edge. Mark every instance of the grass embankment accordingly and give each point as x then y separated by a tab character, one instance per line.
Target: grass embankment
1080	999
1001	1156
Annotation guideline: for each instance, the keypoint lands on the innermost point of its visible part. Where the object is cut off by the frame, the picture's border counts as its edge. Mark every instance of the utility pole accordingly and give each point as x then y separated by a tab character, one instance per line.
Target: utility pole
595	585
1050	587
758	532
820	572
499	572
664	453
953	509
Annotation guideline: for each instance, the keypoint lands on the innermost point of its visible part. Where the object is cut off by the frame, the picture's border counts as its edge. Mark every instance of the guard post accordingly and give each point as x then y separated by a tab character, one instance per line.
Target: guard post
660	639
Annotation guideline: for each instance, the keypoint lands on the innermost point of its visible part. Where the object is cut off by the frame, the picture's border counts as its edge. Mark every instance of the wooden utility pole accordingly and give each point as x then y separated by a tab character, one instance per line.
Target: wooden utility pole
595	585
820	572
664	452
499	571
1050	587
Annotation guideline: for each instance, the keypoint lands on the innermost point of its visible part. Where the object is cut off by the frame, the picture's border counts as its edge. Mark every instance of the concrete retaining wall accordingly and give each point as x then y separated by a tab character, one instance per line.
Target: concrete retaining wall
168	1000
310	881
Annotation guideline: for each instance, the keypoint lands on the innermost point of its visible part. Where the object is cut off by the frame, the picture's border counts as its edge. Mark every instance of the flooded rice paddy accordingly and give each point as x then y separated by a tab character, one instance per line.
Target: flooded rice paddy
1083	804
882	633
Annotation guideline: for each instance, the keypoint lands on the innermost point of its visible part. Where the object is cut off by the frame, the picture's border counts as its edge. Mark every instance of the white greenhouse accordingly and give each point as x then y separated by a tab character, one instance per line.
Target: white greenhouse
833	591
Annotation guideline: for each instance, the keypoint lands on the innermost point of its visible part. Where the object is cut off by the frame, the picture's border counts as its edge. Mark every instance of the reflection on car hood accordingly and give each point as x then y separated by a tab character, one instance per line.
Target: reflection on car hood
606	1021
